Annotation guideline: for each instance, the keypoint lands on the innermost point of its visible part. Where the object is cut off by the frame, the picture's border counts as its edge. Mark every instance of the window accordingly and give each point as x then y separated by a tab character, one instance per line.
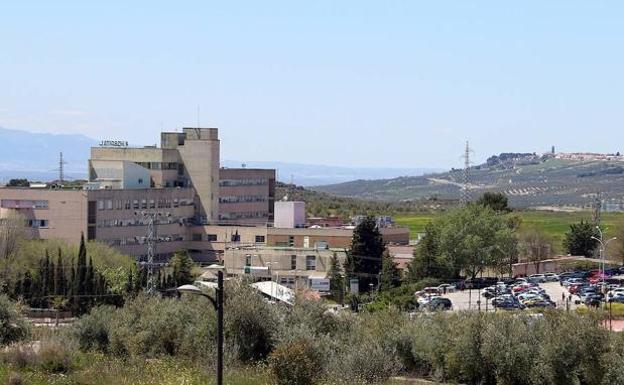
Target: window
140	180
293	262
197	237
152	204
259	238
127	205
236	237
41	204
38	223
143	203
291	241
100	205
135	204
248	260
310	262
109	204
211	237
306	241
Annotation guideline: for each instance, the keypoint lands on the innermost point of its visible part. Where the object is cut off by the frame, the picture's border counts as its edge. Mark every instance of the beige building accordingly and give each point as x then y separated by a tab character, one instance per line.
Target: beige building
246	196
286	265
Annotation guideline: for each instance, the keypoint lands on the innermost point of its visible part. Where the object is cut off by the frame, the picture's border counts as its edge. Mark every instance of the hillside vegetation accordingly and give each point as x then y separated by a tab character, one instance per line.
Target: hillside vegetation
529	181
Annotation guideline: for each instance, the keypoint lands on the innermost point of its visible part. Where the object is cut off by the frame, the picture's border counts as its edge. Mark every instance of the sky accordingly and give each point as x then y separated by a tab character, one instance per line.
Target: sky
352	83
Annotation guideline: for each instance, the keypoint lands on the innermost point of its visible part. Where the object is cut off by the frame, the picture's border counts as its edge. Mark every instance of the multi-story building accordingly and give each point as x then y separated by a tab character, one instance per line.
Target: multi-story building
246	196
181	181
214	213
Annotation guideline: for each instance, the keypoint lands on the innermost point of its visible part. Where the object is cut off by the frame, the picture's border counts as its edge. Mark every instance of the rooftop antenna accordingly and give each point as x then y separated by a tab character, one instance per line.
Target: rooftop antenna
197	131
464	197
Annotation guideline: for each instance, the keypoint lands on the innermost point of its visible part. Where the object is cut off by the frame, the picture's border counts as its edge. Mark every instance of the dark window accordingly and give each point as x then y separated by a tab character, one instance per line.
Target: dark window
236	237
197	237
259	238
248	260
310	262
291	241
140	180
211	237
91	233
293	262
91	212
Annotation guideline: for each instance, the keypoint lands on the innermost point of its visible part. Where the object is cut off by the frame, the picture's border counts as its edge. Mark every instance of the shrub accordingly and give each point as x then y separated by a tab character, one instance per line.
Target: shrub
92	331
55	356
250	322
13	327
14	379
295	363
19	356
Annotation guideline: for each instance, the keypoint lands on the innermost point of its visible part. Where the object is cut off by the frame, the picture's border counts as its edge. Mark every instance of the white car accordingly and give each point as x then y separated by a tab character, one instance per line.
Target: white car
537	278
446	288
551	277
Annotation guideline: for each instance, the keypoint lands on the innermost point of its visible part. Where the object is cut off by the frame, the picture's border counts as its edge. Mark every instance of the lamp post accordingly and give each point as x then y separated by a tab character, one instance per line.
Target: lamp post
603	250
218	305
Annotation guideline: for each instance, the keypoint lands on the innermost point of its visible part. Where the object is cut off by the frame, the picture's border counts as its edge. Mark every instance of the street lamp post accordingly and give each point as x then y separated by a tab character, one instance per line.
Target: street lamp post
218	305
603	250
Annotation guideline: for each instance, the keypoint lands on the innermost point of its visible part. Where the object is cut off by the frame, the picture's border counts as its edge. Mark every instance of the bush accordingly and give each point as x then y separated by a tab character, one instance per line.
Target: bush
250	322
13	327
295	363
92	331
55	356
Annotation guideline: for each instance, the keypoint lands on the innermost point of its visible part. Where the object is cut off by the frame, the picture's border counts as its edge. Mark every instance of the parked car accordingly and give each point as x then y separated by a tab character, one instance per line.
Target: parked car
446	288
509	305
540	302
438	303
594	299
551	277
537	278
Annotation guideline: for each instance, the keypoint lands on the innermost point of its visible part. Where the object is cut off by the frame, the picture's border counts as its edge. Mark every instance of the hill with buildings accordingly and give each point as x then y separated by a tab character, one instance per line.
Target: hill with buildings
555	181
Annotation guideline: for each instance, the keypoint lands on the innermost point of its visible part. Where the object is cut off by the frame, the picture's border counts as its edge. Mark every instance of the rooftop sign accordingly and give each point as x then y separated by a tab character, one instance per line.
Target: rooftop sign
113	143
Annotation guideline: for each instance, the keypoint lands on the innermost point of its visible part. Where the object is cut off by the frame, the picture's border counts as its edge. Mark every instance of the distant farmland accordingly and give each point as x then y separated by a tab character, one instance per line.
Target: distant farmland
556	224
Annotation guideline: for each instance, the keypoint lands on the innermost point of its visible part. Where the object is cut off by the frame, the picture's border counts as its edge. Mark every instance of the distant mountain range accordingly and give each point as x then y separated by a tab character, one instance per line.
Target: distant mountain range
529	180
36	156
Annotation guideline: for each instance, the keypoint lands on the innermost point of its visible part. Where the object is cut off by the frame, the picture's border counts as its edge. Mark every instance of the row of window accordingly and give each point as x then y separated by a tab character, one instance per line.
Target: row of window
244	215
243	182
23	204
233	238
38	223
143	240
310	262
136	204
159	165
139	222
242	199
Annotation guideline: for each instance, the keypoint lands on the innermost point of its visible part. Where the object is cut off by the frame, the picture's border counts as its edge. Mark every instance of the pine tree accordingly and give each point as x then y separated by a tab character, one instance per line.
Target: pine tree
336	279
59	277
390	274
366	249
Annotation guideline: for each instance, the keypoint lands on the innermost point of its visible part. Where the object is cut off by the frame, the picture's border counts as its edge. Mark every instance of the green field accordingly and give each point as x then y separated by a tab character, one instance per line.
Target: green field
553	223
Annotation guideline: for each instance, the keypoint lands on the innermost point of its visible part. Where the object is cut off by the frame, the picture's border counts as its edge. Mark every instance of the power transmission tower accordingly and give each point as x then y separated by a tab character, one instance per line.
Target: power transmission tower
464	197
61	168
150	217
597	208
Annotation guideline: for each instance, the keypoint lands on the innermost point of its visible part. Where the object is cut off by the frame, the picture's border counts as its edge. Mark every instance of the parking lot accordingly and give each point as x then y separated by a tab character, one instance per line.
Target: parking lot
467	299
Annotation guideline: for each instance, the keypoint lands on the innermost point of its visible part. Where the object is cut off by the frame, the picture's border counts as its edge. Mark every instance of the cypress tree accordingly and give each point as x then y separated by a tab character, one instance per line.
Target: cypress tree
59	277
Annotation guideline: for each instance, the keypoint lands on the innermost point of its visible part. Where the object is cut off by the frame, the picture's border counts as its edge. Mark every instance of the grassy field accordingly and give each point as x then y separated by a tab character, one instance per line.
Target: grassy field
96	369
553	223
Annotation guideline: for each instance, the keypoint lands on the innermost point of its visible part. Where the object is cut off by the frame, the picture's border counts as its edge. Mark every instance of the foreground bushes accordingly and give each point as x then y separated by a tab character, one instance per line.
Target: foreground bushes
13	327
306	344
